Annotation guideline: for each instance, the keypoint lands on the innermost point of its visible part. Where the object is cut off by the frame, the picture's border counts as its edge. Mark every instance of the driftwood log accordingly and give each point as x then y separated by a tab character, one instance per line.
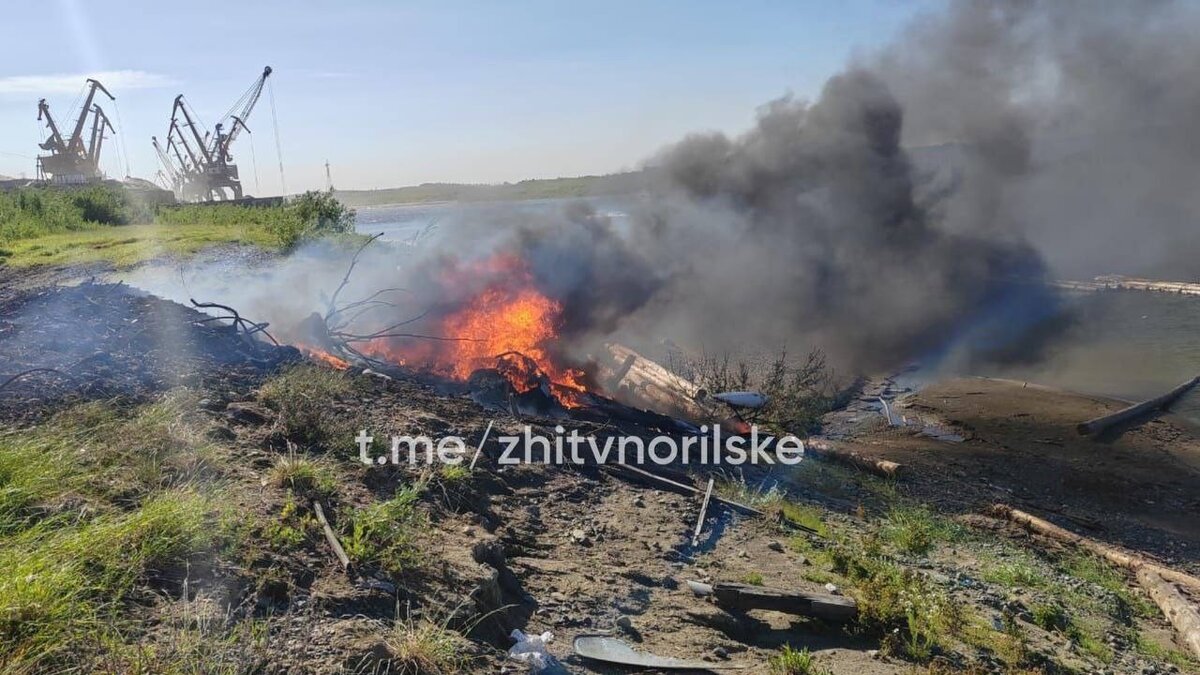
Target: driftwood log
1181	613
1133	412
844	454
1116	556
1158	581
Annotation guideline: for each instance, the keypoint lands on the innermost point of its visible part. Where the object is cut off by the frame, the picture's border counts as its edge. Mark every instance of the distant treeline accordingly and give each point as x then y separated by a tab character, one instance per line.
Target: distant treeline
541	188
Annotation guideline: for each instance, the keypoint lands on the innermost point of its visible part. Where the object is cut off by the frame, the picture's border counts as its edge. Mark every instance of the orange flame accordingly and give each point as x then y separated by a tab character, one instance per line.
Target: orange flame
324	357
508	316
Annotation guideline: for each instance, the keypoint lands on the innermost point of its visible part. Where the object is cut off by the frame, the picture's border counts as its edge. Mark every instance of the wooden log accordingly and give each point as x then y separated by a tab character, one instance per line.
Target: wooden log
1100	424
1181	613
1124	559
331	537
819	605
827	450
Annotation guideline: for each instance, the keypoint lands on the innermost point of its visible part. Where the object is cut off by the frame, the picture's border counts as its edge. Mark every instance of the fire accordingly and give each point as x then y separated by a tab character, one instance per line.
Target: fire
509	325
324	357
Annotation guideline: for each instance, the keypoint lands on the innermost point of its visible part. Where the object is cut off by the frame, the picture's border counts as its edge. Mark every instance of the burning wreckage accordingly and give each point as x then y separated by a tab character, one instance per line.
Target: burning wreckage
500	347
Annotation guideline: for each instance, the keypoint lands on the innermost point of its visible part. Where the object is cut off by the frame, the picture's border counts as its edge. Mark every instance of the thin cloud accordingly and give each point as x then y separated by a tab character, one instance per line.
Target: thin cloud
113	80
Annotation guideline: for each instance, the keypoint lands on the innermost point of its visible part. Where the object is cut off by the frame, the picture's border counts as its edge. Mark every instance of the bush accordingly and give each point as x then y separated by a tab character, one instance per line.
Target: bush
309	216
31	212
798	392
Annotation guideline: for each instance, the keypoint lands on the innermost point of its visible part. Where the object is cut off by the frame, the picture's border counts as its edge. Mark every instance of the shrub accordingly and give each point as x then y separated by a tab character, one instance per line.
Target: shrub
798	392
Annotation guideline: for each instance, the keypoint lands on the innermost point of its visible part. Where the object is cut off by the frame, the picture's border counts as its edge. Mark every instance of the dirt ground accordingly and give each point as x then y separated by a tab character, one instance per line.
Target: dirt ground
1138	488
578	551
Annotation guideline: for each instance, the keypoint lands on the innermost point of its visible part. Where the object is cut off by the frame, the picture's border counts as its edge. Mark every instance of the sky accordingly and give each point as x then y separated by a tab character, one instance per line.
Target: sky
402	93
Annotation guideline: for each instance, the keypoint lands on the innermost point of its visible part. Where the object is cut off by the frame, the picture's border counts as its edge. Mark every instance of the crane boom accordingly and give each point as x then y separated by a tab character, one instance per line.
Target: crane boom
76	142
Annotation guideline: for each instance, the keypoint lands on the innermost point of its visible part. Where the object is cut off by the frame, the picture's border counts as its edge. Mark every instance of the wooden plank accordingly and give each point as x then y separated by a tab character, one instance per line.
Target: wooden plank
800	603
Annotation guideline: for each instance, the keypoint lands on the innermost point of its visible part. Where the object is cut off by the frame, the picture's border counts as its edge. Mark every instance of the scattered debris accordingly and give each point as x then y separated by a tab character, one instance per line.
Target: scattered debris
612	650
734	596
532	650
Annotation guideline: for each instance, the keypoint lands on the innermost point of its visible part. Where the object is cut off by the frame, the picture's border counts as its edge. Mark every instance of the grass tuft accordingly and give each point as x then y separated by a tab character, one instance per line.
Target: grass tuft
794	662
421	646
303	396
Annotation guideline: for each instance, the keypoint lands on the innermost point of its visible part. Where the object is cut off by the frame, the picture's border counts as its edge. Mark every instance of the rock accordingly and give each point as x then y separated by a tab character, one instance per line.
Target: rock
775	546
873	653
832	589
246	413
624	622
579	537
720	652
639	502
221	434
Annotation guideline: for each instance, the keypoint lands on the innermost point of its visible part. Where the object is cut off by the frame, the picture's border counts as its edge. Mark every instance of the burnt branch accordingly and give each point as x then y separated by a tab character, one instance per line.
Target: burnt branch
249	328
332	309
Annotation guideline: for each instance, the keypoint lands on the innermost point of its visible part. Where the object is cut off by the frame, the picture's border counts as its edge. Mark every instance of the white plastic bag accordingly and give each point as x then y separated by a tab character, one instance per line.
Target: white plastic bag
531	650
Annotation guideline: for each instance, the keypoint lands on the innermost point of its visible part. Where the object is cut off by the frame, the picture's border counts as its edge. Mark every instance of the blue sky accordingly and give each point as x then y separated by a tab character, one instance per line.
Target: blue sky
397	93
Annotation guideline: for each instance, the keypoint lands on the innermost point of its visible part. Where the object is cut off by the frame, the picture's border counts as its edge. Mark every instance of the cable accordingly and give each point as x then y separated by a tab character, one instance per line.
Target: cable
278	146
254	162
121	138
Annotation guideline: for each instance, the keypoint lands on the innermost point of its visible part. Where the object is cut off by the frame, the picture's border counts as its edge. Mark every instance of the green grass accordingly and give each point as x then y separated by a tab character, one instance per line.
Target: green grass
303	397
1017	572
94	503
454	474
753	579
421	646
61	582
304	476
1124	602
385	533
1050	617
104	224
912	616
127	245
917	529
794	662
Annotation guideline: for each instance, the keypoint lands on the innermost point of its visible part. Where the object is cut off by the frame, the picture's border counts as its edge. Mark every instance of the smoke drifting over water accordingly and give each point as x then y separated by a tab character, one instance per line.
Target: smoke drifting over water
1050	138
1073	124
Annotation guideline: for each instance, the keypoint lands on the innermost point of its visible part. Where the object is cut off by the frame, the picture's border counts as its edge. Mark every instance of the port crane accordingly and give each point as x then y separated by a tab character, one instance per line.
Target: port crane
71	160
199	167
